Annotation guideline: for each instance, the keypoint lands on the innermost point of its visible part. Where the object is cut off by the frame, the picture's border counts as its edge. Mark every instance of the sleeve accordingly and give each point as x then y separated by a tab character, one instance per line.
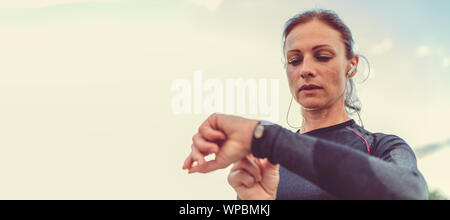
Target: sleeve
389	173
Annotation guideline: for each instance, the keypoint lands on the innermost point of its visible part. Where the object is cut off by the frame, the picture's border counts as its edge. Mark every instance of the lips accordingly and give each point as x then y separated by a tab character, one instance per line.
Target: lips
307	87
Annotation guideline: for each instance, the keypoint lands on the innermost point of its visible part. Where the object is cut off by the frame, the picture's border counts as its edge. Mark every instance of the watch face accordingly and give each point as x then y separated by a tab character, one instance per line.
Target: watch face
259	130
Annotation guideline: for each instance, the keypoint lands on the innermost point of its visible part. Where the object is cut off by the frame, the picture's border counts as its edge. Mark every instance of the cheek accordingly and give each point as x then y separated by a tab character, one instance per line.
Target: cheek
337	83
292	78
332	78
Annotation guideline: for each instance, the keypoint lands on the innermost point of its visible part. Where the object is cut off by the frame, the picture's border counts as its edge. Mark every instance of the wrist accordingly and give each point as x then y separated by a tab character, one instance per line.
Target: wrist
263	140
253	124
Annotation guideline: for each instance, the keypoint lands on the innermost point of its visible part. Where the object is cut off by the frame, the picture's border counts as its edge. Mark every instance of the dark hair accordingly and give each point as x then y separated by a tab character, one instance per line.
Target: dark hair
330	18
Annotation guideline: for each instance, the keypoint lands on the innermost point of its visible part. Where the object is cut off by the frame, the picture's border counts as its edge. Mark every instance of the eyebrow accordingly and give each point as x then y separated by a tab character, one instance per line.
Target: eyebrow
314	48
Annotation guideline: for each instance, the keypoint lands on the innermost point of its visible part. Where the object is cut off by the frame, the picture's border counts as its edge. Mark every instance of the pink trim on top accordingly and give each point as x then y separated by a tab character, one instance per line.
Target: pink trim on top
367	143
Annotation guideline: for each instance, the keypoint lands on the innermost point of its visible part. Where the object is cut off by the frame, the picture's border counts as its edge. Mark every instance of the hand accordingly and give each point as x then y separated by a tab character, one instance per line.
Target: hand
227	136
254	179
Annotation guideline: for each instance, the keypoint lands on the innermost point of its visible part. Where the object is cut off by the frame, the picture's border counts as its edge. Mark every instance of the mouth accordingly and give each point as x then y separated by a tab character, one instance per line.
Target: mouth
309	87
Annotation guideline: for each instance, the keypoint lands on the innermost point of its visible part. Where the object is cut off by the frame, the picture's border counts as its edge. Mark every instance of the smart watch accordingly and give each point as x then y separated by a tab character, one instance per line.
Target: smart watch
258	133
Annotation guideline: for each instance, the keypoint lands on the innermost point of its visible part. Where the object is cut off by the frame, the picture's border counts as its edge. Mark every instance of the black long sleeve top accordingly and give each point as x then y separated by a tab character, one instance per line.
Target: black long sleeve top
343	161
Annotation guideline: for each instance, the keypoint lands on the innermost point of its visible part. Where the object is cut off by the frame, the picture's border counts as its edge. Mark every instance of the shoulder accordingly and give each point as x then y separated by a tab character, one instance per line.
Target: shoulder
384	145
391	147
382	141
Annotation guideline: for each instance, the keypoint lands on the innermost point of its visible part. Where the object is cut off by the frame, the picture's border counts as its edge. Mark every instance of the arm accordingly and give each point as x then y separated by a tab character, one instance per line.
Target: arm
342	171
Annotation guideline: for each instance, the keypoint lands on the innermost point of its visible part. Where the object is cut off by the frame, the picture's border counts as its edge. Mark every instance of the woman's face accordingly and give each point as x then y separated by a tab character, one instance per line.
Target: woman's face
316	65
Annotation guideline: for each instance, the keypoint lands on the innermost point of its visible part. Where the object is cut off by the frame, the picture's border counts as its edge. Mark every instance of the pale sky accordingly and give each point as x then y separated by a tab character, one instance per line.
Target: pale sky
85	87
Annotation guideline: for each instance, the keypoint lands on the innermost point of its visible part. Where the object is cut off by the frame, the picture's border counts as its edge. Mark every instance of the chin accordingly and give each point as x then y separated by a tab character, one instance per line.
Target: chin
312	104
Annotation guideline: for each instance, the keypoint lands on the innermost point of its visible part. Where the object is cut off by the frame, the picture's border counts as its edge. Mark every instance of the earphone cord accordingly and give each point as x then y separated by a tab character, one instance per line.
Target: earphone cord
289	109
359	116
287	115
360	120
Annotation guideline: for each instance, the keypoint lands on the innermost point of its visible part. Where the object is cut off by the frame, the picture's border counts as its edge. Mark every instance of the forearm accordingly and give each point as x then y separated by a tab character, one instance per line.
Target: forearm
340	170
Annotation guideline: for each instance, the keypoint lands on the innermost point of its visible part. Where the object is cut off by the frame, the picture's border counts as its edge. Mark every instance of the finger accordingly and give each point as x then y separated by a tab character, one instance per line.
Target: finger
250	166
204	146
258	162
195	156
241	177
252	157
210	133
267	164
209	166
187	162
241	164
191	161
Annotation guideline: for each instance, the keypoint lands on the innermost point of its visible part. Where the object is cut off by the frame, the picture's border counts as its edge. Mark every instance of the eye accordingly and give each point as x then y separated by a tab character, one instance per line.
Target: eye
294	61
323	58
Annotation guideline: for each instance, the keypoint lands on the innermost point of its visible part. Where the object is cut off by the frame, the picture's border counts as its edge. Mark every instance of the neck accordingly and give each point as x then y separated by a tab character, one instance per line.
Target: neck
320	118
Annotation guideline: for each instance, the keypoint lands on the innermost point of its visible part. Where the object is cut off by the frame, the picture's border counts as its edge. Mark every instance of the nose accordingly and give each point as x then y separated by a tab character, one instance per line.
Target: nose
305	75
307	70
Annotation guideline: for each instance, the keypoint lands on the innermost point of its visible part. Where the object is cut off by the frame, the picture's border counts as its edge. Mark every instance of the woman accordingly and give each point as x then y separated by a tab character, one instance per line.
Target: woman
330	157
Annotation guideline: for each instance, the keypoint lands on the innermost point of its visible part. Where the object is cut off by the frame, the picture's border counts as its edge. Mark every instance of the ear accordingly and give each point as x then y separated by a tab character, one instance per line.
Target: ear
354	61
